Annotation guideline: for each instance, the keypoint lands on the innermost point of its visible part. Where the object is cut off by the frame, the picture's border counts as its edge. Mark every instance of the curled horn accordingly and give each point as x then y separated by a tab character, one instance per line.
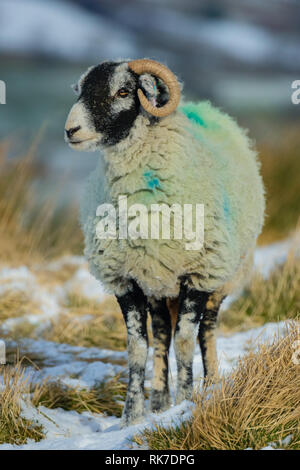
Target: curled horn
158	70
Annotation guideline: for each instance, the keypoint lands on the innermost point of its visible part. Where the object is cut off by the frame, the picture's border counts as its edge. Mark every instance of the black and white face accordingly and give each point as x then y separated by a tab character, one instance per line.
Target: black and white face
108	105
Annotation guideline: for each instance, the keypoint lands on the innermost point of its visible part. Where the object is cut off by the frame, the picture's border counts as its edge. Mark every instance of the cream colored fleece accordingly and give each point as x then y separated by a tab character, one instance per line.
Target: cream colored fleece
197	155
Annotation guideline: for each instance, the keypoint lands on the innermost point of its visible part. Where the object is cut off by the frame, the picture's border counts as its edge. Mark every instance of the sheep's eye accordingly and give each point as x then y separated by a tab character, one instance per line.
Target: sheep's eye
123	92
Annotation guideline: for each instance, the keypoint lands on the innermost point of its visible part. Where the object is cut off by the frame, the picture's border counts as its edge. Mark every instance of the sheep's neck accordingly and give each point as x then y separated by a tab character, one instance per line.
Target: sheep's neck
122	158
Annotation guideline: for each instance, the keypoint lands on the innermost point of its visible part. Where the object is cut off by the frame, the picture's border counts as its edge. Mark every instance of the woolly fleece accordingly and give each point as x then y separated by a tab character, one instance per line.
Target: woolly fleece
197	155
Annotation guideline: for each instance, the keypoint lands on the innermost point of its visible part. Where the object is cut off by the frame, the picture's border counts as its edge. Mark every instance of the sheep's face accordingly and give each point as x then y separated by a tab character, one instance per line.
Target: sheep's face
108	105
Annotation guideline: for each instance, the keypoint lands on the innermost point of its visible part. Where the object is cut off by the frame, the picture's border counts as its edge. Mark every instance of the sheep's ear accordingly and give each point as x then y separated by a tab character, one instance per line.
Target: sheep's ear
75	87
154	89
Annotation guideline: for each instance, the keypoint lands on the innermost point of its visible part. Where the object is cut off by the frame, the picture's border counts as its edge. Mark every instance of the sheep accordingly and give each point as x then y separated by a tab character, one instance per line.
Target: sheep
160	150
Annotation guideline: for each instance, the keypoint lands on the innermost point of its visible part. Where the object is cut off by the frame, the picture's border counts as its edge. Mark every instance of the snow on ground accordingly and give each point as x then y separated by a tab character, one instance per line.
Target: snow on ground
60	361
21	279
266	258
85	367
72	430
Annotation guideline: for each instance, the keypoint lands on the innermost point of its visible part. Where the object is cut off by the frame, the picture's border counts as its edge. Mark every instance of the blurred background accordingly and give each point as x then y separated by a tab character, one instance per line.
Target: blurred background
242	55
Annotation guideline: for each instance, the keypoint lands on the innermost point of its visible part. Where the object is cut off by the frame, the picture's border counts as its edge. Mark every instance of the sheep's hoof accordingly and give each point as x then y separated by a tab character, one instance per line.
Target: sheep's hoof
184	394
160	401
134	410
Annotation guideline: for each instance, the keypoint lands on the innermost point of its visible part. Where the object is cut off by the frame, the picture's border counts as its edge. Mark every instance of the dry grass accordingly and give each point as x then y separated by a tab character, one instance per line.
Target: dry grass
14	429
266	300
16	304
82	322
22	329
29	231
280	157
256	404
89	323
106	398
53	277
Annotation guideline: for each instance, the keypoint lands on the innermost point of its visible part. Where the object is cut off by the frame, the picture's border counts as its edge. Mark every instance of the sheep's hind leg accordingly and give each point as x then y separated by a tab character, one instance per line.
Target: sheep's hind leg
161	327
207	335
134	309
191	307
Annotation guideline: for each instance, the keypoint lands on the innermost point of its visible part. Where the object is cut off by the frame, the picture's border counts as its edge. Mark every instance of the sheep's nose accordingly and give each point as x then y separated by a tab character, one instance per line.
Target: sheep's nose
70	132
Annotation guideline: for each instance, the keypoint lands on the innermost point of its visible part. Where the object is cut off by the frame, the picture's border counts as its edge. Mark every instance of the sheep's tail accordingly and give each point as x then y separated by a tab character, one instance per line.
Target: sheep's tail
172	305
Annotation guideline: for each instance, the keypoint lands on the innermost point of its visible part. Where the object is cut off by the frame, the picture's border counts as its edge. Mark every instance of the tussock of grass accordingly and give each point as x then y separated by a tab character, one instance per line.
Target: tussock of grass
51	278
280	159
29	231
16	304
89	323
80	305
256	404
82	322
267	300
104	398
14	429
22	329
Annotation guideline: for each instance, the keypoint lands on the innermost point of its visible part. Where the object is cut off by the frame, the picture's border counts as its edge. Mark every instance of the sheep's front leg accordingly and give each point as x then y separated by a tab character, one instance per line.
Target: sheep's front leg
191	307
207	335
161	327
133	306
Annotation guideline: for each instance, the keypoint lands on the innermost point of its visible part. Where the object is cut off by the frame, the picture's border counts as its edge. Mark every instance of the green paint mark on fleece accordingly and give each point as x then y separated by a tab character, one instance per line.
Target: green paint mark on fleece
152	181
192	113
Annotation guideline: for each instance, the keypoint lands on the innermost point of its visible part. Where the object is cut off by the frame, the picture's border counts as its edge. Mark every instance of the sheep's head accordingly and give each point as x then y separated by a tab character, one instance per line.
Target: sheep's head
112	95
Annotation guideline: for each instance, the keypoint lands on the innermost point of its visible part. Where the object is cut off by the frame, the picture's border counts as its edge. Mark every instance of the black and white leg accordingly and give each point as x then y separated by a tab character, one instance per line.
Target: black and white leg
134	308
207	335
191	306
161	327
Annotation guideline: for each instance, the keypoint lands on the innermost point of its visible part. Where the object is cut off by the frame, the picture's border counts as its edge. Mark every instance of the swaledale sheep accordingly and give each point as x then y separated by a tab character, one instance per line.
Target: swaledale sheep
160	151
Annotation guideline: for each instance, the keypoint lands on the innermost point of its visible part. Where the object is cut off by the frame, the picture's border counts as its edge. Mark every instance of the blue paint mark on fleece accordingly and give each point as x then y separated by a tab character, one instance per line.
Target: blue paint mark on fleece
227	208
151	180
